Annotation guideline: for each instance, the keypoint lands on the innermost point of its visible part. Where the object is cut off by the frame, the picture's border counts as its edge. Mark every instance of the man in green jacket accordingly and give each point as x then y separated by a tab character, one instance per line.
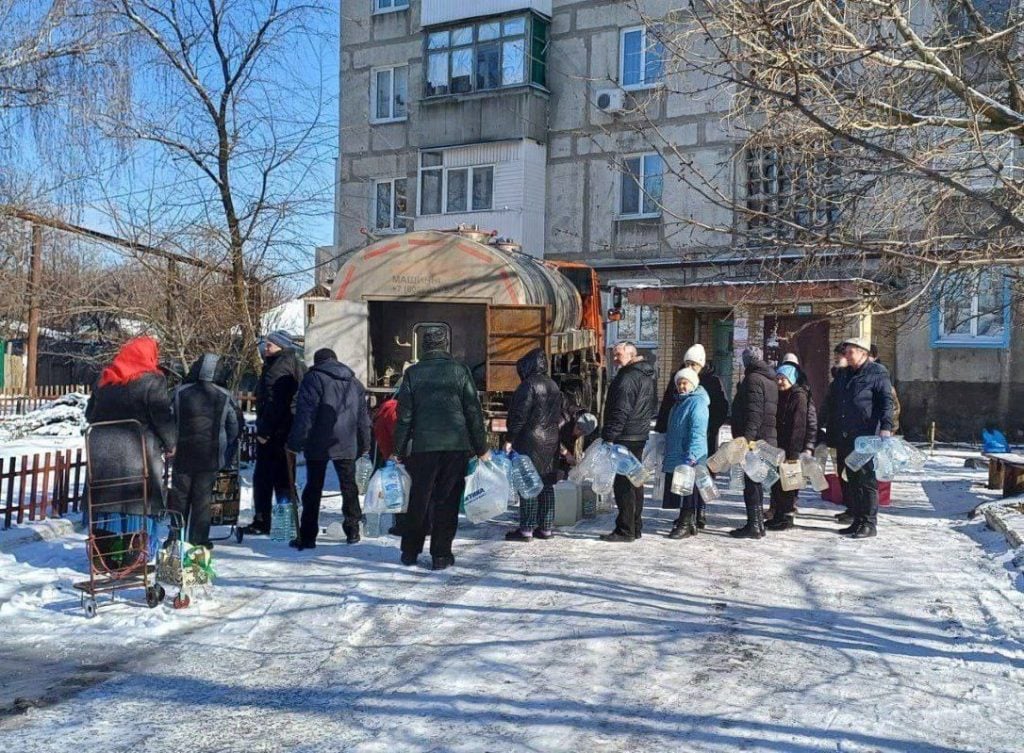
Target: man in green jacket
440	422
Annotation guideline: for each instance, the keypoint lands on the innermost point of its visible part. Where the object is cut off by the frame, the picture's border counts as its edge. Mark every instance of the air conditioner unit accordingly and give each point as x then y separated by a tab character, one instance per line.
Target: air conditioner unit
611	101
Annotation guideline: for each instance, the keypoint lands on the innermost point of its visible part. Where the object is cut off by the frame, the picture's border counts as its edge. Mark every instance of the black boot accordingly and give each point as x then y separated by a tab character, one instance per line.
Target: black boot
754	528
781	522
844	517
867	530
759	519
702	518
685	527
852	528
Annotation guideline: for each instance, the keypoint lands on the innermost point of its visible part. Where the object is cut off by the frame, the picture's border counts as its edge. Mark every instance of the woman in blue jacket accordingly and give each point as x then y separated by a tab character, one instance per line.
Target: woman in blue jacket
686	443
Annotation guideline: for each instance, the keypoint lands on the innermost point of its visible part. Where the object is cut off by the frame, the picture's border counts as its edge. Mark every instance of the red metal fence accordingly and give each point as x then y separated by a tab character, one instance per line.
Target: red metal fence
44	485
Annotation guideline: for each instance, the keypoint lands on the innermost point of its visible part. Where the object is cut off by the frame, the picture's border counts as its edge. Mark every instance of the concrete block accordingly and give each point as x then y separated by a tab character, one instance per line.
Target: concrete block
560	147
561	22
568	503
387	137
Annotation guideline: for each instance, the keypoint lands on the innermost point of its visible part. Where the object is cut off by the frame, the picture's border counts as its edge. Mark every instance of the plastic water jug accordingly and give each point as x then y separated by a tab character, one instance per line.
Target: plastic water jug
771	479
898	450
683	478
584	470
525	479
857	459
371	525
737	448
500	459
282	522
654	454
393	492
821	456
336	530
605	467
917	458
627	464
364	469
813	473
868	445
755	468
705	484
768	453
885	468
736	478
720	460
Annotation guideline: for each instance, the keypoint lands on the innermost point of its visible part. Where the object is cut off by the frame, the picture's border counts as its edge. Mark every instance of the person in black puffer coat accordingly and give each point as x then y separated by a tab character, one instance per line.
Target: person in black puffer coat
275	409
209	423
797	431
131	388
533	423
753	417
630	406
332	424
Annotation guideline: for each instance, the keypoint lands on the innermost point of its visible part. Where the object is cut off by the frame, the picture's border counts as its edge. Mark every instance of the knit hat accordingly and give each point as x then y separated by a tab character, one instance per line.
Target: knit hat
695	354
791	358
750	354
324	354
788	372
434	338
858	342
281	338
689	375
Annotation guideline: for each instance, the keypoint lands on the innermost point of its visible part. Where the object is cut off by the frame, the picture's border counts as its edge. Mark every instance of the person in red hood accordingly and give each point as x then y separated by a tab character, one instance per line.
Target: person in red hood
385	419
131	388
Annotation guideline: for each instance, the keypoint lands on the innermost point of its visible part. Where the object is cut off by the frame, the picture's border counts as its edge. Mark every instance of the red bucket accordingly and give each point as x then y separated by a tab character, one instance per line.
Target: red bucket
834	493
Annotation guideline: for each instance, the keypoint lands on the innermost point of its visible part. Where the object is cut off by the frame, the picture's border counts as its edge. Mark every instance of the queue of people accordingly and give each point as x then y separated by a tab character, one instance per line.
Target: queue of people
434	423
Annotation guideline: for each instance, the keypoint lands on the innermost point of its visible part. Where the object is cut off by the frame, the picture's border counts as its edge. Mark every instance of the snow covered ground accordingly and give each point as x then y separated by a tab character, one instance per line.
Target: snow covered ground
804	641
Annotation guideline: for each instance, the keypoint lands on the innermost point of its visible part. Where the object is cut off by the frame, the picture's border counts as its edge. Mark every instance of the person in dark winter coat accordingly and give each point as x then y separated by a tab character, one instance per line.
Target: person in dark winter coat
440	416
828	429
873	357
533	421
797	430
686	443
630	405
275	409
753	417
131	388
575	430
332	424
209	424
862	405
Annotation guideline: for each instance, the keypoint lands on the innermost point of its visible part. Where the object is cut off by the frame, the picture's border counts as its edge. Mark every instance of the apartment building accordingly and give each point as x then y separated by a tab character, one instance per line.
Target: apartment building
560	124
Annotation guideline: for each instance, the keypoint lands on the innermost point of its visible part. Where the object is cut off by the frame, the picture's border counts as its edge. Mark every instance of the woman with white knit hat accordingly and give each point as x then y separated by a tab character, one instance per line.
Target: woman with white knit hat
686	443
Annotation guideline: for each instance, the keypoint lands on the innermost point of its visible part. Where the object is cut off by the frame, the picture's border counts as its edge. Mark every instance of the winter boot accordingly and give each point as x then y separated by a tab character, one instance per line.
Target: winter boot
780	523
702	518
409	559
517	534
256	528
617	538
844	517
685	527
759	513
543	534
867	530
754	529
442	562
852	528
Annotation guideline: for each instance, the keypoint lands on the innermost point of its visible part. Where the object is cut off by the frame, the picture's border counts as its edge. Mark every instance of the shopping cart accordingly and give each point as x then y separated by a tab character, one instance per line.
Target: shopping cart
183	565
118	543
224	507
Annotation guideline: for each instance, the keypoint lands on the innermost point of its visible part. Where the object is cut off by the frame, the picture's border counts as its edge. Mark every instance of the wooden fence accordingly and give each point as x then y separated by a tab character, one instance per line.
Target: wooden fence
45	485
18	403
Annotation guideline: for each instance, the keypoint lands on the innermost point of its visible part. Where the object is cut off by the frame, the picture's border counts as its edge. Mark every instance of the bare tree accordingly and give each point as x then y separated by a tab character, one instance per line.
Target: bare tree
869	135
234	130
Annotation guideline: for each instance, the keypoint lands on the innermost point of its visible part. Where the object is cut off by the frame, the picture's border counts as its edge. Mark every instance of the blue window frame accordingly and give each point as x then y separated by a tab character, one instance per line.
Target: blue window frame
972	311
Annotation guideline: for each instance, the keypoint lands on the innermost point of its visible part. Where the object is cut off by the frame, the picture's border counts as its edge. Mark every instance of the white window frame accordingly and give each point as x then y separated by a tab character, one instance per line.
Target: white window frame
377	10
971	339
391	94
644	47
640	213
393	228
444	170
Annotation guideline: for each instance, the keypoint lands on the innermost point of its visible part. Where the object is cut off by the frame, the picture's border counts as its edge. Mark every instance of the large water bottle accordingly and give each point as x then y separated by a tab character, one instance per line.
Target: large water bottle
683	478
364	469
770	479
705	484
501	460
391	480
917	458
371	525
771	455
654	454
868	445
525	478
821	456
814	473
736	478
857	459
282	522
885	468
626	464
755	468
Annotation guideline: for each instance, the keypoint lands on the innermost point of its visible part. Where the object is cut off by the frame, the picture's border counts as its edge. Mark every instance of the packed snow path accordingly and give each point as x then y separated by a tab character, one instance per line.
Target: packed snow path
804	641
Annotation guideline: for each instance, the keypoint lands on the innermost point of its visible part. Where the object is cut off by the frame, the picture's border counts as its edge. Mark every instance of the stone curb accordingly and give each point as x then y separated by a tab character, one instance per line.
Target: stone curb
1003	517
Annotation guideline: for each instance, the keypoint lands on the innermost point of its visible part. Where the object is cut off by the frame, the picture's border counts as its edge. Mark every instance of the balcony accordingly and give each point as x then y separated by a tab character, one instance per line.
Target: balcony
435	12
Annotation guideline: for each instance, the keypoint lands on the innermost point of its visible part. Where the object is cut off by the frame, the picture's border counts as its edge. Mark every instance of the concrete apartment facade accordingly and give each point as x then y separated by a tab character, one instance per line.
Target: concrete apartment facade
553	122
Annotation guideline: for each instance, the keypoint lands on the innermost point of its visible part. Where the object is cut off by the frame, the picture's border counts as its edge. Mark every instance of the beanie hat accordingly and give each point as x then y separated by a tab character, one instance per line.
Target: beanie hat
586	424
858	342
689	375
281	339
791	358
695	354
750	354
788	372
435	338
324	354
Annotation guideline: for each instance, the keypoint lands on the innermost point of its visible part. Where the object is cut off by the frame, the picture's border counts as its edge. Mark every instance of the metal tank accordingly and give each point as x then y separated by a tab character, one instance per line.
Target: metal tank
456	267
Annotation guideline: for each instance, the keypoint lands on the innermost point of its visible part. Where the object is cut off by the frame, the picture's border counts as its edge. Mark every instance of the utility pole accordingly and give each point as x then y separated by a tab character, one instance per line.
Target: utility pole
35	272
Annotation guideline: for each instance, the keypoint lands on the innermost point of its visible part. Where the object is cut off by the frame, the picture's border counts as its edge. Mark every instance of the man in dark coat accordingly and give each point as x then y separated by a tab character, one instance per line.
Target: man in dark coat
828	429
862	405
439	422
629	408
209	424
332	423
797	430
753	417
275	401
533	423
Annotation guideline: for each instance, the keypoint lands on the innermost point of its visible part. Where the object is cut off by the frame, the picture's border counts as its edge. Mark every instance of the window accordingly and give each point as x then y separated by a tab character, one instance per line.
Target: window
454	189
641	58
973	311
389	94
641	186
389	6
390	205
486	55
790	188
